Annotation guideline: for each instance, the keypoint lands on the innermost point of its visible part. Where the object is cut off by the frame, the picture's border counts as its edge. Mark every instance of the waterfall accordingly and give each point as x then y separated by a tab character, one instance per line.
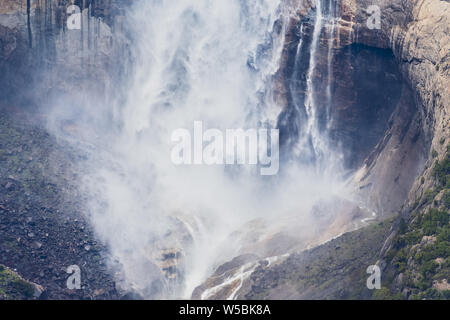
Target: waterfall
310	102
193	60
332	17
314	141
195	55
168	227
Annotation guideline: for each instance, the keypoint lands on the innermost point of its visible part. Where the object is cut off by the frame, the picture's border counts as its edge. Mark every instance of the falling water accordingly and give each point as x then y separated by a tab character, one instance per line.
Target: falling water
315	139
332	17
169	227
194	60
310	101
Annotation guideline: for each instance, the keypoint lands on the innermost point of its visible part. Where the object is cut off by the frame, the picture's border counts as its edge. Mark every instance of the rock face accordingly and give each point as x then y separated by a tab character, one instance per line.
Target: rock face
417	32
35	36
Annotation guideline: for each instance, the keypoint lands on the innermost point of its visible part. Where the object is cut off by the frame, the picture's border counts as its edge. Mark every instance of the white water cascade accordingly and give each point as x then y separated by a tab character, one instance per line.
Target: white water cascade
169	227
194	60
332	21
315	137
310	101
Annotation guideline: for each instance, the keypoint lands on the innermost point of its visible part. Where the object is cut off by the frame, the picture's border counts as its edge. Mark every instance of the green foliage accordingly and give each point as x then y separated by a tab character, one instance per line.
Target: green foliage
434	153
429	195
14	287
441	171
431	252
434	219
402	227
444	235
385	294
428	269
423	283
400	260
446	294
421	263
446	199
412	237
431	293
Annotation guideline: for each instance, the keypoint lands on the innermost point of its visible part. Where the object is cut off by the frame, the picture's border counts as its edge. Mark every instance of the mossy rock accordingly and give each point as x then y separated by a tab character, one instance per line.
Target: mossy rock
13	287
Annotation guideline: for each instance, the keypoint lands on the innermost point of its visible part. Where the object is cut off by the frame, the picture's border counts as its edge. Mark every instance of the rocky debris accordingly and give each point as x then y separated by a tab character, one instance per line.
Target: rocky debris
42	228
426	240
235	263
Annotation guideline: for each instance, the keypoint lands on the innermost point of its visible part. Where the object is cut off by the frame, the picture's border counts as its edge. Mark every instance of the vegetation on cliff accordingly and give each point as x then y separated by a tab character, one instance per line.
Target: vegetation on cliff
13	287
418	262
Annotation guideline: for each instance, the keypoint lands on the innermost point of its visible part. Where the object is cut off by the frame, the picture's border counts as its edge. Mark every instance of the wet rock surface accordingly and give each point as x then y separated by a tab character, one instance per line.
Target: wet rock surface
334	270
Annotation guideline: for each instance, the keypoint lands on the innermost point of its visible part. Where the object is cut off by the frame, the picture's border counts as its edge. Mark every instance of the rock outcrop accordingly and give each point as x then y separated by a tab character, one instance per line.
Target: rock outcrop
418	33
40	49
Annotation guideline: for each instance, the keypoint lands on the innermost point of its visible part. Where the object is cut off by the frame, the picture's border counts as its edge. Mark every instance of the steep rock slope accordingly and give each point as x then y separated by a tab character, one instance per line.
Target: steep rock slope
41	229
42	232
417	32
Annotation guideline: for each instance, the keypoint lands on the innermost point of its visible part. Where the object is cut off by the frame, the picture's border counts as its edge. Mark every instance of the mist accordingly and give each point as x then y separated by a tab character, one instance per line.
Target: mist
209	61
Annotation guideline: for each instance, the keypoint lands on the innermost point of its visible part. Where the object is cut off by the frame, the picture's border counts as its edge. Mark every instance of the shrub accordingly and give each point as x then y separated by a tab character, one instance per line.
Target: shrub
402	226
434	153
441	171
429	195
433	220
446	199
382	294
